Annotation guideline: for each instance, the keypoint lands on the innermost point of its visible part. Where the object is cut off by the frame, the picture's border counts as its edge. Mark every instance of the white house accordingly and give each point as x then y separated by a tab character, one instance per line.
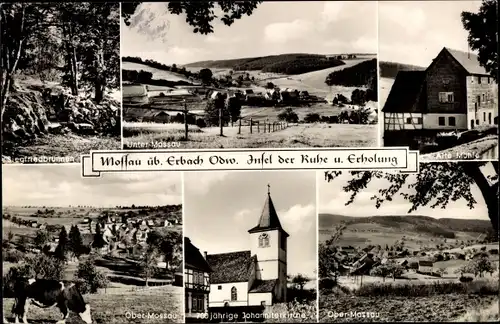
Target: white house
256	276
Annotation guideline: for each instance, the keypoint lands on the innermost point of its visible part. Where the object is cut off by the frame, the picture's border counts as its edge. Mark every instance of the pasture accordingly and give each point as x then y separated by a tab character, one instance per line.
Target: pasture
156	304
296	135
157	73
314	82
401	308
375	234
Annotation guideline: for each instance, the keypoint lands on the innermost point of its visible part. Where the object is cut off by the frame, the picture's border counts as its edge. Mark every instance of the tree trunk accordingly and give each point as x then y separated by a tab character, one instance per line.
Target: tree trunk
68	38
10	68
100	79
490	192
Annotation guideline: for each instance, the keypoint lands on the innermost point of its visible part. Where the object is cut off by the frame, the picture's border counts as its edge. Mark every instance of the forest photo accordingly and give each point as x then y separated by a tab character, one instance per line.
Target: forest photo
60	80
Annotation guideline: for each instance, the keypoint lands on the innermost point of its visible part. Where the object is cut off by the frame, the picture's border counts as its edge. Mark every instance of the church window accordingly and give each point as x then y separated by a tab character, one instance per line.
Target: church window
219	287
264	240
234	294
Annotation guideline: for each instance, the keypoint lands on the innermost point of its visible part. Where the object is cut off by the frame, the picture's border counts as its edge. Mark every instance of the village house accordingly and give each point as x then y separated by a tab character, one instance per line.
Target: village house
196	283
454	93
256	277
425	266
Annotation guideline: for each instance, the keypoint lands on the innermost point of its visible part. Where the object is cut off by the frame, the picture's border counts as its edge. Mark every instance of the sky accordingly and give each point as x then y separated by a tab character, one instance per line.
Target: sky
220	208
317	27
62	185
414	32
332	199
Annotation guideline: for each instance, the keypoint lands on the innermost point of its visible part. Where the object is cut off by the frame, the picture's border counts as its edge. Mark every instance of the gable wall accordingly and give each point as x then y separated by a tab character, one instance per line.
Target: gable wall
218	296
446	75
488	105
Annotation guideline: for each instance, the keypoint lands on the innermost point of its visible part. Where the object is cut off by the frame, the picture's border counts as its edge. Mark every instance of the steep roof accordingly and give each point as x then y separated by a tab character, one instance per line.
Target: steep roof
263	286
468	61
230	267
193	258
425	263
268	218
407	93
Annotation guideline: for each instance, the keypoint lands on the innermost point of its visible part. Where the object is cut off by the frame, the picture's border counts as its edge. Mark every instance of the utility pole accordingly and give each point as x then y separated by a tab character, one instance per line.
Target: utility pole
220	121
186	126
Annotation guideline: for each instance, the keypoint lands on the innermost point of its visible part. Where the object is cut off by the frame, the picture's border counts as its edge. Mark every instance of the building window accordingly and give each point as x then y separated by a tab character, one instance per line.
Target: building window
484	116
477	121
446	97
219	287
451	121
478	80
408	120
488	80
483	98
495	120
419	120
471	79
264	240
489	118
479	101
471	124
234	294
441	121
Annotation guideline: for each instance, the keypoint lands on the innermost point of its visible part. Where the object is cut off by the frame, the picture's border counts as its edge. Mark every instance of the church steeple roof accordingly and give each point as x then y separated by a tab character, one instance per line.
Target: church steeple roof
268	218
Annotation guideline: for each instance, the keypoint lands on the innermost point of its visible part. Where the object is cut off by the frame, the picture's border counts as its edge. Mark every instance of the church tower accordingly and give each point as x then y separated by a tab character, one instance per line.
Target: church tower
268	241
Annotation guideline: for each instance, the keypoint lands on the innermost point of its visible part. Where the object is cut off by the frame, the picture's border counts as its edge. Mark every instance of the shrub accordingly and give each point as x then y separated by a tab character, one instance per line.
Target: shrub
289	116
13	256
297	312
201	123
89	278
38	266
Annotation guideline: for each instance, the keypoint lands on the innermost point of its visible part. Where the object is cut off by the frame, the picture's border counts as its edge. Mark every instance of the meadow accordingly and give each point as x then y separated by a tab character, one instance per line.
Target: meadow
164	303
296	135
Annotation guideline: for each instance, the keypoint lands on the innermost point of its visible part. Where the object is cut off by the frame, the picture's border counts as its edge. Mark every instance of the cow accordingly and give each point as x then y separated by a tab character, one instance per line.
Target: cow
47	293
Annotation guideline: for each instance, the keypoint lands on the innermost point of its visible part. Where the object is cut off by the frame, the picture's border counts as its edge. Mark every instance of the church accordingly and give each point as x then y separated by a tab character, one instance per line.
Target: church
258	276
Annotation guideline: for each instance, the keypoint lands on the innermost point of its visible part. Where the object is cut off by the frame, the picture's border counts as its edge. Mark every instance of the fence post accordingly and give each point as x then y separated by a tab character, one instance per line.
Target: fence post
258	126
251	124
220	122
239	127
186	126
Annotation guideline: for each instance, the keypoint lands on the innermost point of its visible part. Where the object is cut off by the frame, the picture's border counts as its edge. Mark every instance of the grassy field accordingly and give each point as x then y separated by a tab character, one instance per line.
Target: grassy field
301	135
157	74
402	309
164	303
314	82
64	148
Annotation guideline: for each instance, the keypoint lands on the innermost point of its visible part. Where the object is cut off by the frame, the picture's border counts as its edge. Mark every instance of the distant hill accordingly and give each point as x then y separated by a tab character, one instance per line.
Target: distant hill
359	75
391	69
285	63
446	227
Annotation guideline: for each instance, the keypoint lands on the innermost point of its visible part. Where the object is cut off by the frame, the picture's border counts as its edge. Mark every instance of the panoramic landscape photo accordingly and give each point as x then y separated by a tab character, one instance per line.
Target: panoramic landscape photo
60	80
106	250
250	250
253	74
439	92
404	248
